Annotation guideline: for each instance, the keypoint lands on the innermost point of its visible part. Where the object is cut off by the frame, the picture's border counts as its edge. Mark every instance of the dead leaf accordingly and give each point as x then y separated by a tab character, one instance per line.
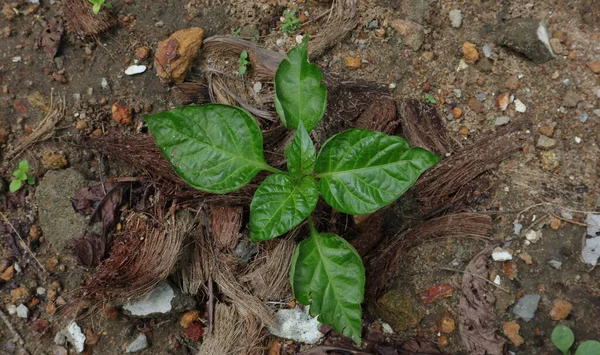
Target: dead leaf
477	324
50	39
226	223
441	290
89	249
102	202
511	329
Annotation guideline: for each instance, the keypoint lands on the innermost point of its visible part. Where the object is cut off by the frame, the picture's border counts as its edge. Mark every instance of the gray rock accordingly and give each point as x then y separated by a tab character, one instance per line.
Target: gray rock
164	299
245	251
555	264
528	37
596	112
22	311
487	50
545	143
502	120
58	220
480	96
455	18
571	99
297	325
413	33
457	93
140	343
71	334
526	307
583	117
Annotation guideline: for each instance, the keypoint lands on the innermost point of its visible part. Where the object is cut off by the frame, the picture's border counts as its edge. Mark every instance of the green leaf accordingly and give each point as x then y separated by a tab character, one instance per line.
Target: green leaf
244	54
328	274
15	185
24	166
215	148
362	171
242	69
301	153
96	9
430	99
588	347
19	174
299	92
563	338
280	203
31	180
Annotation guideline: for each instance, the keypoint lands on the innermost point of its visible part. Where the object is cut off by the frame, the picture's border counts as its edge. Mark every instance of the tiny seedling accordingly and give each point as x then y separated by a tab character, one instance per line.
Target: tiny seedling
20	176
98	5
563	338
237	31
430	99
219	149
290	21
243	63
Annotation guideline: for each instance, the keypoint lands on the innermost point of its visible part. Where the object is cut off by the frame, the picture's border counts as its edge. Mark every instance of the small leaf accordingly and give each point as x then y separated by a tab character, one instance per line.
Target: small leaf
20	175
96	9
362	171
24	166
328	274
588	347
244	55
242	69
563	338
430	99
215	148
280	203
15	185
301	153
298	89
108	6
31	180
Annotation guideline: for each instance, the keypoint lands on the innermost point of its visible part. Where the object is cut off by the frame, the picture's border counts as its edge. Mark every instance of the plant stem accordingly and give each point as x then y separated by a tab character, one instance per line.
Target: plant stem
271	169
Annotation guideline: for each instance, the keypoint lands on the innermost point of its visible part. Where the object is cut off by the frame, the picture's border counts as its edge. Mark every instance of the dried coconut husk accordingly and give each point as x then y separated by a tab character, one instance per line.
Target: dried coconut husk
341	20
226	223
82	22
382	263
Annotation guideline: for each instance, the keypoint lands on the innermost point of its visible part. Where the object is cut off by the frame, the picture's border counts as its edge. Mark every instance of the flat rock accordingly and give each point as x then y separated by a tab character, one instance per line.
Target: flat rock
399	308
59	222
545	143
455	18
502	120
571	99
413	33
71	334
297	325
526	307
528	37
164	299
140	343
499	254
175	55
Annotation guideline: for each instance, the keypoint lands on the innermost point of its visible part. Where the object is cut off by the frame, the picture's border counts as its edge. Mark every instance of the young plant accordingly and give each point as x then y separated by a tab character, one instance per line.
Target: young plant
243	63
563	338
20	176
218	149
98	5
290	21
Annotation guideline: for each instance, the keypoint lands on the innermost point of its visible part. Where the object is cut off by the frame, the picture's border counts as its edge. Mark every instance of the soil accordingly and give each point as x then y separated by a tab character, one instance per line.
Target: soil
523	188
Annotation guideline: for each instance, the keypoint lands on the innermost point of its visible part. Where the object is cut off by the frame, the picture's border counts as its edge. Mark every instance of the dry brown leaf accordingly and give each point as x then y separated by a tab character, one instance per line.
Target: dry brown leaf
511	329
50	39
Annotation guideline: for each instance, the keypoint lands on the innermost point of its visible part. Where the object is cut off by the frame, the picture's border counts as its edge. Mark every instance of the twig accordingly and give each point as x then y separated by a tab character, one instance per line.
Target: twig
22	242
477	276
11	328
211	305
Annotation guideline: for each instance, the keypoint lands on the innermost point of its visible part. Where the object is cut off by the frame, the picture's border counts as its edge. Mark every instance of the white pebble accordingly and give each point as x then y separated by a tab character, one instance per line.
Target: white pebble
500	254
22	311
487	50
257	87
12	309
40	291
299	39
497	280
135	69
520	106
578	140
16	59
533	236
455	18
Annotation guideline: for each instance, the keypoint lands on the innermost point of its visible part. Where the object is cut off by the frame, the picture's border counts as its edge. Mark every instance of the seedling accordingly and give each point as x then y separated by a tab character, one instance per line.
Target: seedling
290	21
243	63
237	31
218	149
563	338
430	99
20	176
98	5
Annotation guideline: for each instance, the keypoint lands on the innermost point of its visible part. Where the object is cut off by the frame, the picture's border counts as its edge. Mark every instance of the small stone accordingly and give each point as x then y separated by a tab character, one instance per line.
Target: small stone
528	36
557	47
122	113
555	223
462	65
299	39
512	83
22	311
559	35
517	227
175	55
257	87
502	120
499	254
455	18
480	80
188	318
545	143
555	264
583	117
546	130
81	125
464	131
164	299
475	105
480	96
487	50
104	84
446	324
549	161
159	24
135	69
526	258
142	53
296	325
526	307
520	106
511	329
555	75
594	66
511	270
428	56
561	309
413	33
470	52
40	291
578	140
596	112
11	309
8	274
457	93
457	112
502	101
353	62
571	99
533	236
54	160
73	335
19	294
140	343
443	341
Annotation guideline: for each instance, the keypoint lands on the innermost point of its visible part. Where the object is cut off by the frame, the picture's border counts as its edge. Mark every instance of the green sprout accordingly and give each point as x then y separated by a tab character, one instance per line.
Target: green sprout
236	32
290	21
243	63
563	338
430	99
21	176
98	5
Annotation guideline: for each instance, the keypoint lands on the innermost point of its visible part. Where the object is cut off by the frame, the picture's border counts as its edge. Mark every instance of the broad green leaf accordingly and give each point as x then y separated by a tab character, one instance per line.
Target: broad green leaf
31	180
563	338
280	203
24	166
328	274
96	9
301	153
588	347
299	93
215	148
362	171
19	174
15	185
